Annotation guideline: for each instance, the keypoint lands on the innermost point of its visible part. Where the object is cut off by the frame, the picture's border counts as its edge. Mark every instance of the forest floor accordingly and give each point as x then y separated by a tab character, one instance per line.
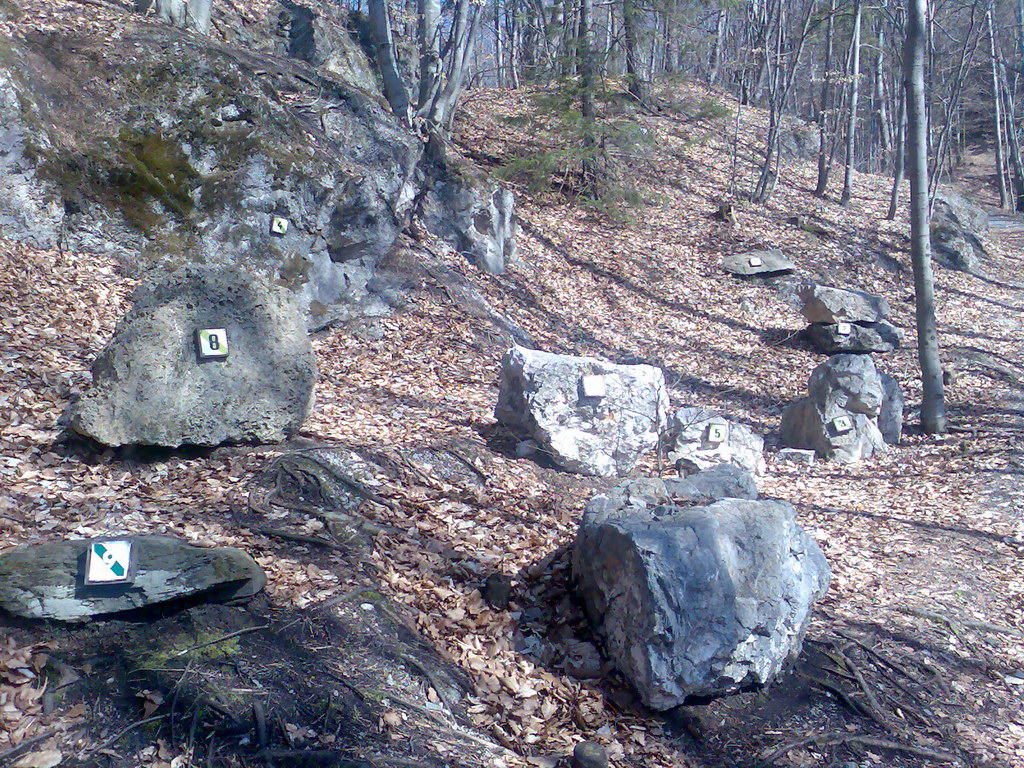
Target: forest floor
914	657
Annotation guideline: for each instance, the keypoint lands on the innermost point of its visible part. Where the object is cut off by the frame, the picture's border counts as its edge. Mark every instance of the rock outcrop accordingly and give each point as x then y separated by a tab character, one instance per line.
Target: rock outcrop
890	415
588	415
152	385
825	304
697	438
45	581
839	417
207	156
695	601
957	228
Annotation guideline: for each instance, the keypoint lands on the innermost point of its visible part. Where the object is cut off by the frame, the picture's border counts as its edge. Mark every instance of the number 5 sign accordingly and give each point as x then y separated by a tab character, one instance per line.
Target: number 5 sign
212	343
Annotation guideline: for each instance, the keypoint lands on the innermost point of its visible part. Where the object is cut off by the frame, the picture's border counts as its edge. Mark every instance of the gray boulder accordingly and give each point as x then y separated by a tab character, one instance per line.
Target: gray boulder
725	481
833	338
588	415
151	387
771	262
839	417
697	438
45	581
957	227
699	601
824	304
890	415
799	140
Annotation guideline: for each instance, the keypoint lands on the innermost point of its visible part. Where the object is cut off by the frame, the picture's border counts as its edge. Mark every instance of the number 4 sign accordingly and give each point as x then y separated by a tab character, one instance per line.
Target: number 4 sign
212	343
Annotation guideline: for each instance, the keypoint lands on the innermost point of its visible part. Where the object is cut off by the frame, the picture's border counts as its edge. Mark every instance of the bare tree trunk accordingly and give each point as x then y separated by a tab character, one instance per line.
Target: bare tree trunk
824	155
428	15
933	408
851	126
591	172
900	162
716	49
881	106
384	50
188	14
997	99
634	79
499	45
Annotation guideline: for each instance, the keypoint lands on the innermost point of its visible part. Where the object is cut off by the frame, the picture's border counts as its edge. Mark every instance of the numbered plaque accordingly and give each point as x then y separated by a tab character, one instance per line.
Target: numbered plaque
278	226
110	561
755	261
212	343
840	425
718	433
593	386
844	329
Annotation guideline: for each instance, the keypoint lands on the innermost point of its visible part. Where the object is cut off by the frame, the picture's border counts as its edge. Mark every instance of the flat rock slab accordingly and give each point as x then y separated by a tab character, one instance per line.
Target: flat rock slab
698	438
46	581
770	262
825	304
834	338
152	385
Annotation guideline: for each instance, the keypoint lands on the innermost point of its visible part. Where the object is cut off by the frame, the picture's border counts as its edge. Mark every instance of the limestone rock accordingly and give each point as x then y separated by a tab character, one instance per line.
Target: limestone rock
588	415
890	415
839	417
796	456
832	338
824	304
771	262
699	601
698	438
45	581
958	225
150	386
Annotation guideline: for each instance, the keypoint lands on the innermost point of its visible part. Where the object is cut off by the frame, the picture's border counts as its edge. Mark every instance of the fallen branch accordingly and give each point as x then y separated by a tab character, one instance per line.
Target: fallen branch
121	734
316	541
832	739
228	636
979	626
14	752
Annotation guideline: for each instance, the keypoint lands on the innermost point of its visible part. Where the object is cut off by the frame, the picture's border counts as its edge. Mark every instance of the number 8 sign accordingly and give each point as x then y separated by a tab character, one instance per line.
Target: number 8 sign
212	343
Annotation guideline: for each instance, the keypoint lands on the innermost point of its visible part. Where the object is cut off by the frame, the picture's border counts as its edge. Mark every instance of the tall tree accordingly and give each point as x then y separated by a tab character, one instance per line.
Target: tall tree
933	407
851	126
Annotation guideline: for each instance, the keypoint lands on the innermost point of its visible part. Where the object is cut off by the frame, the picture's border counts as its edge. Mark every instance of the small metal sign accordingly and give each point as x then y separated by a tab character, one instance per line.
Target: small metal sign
755	261
718	433
841	425
110	561
278	225
593	386
212	343
844	329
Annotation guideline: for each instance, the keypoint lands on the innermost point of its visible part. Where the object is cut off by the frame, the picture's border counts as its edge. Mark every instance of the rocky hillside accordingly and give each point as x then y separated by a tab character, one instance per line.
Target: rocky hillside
117	159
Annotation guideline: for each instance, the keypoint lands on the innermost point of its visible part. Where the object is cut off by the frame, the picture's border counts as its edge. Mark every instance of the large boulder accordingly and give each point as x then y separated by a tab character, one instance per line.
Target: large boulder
825	304
833	338
758	263
697	438
151	386
839	417
957	227
699	601
588	415
45	581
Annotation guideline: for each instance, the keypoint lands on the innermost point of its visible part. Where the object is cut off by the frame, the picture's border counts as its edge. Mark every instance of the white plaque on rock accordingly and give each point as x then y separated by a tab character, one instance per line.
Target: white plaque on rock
755	261
212	343
844	329
841	425
109	561
718	433
593	386
278	225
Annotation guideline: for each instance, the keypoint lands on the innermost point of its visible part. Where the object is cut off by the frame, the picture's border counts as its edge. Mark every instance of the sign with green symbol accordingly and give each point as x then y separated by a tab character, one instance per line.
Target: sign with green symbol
109	561
212	343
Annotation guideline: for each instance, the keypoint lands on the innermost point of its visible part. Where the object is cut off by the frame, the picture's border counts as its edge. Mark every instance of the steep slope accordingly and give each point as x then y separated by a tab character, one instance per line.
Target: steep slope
933	527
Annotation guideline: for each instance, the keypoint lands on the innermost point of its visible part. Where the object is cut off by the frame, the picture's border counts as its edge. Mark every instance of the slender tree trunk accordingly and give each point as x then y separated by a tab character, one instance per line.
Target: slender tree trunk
881	106
933	409
384	50
591	172
634	78
900	162
499	45
824	156
998	117
851	126
428	15
716	45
